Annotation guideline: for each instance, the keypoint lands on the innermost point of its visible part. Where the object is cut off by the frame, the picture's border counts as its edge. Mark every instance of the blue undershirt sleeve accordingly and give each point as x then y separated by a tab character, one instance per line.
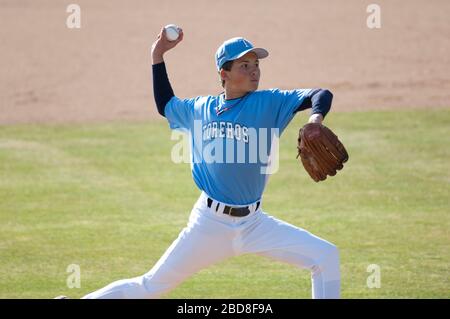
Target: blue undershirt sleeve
319	100
162	90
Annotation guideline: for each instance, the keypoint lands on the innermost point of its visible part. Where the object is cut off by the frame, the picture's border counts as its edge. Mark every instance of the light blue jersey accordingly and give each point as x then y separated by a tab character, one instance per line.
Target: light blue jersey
231	140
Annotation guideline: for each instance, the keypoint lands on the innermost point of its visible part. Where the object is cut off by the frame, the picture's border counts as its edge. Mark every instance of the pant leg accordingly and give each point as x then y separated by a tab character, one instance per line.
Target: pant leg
202	243
284	242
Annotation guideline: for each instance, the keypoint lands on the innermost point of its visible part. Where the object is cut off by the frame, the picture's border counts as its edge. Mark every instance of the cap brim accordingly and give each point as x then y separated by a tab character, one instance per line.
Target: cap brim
260	53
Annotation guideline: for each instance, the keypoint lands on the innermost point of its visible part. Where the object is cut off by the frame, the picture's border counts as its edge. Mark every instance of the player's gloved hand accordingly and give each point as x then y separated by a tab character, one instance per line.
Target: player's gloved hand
162	45
320	151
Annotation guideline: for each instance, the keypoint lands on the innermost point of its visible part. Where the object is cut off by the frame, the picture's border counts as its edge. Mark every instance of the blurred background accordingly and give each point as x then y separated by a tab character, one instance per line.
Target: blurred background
102	71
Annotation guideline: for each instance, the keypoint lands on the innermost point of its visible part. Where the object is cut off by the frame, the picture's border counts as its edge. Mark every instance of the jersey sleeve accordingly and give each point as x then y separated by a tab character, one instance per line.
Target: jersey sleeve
180	113
286	104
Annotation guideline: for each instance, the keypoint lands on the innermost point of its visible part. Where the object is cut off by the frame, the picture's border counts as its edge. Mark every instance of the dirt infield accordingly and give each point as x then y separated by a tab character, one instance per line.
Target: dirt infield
101	72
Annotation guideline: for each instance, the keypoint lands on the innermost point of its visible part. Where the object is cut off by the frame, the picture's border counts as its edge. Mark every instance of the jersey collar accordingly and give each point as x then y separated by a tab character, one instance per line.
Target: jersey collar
223	105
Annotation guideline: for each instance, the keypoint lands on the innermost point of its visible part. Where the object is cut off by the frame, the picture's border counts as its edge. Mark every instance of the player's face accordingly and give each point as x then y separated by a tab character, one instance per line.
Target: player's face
244	74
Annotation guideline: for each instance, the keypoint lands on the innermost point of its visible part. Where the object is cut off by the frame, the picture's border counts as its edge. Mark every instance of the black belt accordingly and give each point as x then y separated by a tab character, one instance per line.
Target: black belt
233	211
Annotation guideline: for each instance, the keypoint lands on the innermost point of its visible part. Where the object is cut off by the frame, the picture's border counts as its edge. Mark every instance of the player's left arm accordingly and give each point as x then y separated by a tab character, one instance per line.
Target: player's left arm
319	100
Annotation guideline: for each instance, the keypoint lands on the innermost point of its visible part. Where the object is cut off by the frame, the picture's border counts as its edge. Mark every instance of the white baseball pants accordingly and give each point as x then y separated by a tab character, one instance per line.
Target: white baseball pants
211	236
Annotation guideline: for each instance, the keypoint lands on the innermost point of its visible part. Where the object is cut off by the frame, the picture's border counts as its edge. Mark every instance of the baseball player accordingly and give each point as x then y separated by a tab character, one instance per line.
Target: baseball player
228	218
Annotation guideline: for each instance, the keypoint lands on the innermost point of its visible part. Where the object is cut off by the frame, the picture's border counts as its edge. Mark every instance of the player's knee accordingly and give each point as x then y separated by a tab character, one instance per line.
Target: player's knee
329	255
334	253
327	264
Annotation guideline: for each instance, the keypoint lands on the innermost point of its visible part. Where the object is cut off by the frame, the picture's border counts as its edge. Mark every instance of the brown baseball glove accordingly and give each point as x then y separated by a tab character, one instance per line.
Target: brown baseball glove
320	151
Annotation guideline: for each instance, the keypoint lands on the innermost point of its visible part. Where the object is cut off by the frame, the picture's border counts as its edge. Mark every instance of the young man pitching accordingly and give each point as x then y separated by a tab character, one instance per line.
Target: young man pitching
227	133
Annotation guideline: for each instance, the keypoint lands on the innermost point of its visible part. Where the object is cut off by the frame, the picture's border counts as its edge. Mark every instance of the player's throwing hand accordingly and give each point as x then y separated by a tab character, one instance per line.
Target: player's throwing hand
162	45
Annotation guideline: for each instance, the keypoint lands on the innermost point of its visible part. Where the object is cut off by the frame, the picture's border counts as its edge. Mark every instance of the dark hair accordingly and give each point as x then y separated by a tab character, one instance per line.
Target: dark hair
227	67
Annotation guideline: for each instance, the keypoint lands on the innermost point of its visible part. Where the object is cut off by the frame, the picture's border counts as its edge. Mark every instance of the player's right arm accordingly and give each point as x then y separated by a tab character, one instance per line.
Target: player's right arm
162	45
162	90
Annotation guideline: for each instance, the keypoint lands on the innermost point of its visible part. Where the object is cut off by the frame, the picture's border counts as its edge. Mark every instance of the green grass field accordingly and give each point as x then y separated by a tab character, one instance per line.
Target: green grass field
109	199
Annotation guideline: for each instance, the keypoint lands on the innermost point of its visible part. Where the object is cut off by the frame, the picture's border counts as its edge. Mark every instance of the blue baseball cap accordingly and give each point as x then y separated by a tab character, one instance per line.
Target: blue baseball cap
235	48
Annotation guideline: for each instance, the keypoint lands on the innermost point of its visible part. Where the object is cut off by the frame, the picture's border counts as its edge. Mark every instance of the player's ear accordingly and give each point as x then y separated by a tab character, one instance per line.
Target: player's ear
223	75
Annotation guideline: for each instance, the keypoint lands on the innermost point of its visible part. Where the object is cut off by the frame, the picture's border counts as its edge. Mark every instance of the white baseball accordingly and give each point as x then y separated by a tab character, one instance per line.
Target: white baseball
172	32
